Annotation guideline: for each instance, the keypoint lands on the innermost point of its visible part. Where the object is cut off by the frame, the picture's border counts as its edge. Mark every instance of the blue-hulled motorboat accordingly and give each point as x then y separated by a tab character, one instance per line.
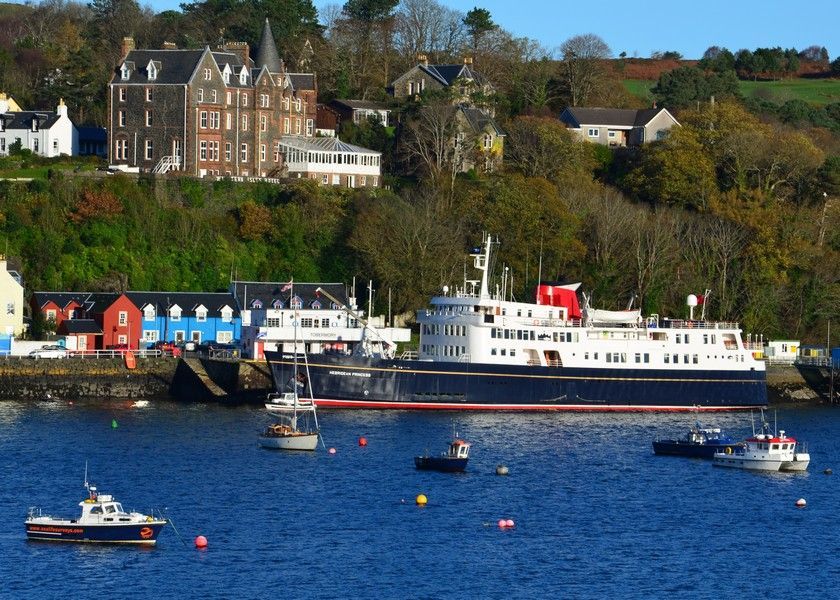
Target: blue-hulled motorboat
103	520
699	442
453	461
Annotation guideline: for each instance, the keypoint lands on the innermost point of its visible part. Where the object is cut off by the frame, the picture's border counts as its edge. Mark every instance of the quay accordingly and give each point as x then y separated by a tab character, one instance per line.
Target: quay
199	378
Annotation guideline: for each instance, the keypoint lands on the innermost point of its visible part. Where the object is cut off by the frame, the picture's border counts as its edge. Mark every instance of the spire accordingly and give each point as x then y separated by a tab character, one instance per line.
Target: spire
267	55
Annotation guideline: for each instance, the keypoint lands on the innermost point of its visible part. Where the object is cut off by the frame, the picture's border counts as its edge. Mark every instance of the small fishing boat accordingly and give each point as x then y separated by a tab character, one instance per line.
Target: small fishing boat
453	461
765	451
699	442
283	402
103	520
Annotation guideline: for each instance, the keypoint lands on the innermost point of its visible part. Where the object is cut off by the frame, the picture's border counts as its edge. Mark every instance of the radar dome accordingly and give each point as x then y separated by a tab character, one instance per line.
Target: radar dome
691	300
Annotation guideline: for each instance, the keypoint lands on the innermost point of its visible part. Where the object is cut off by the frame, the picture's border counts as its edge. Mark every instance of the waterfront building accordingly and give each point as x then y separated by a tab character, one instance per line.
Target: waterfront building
11	292
46	133
186	316
275	315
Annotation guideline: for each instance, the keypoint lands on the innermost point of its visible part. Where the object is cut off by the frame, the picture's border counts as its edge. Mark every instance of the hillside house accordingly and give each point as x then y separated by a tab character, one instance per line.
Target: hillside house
462	81
45	133
618	127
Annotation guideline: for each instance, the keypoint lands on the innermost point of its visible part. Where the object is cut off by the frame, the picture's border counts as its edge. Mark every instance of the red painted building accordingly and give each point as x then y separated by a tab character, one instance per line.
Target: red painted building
120	320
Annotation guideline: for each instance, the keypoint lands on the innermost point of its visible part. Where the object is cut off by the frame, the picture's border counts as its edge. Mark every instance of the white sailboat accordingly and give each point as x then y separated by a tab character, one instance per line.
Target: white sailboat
297	426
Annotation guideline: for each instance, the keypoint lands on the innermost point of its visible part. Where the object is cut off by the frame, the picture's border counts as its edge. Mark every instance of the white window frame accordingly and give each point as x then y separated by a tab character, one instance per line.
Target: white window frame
201	315
201	94
593	132
122	318
149	150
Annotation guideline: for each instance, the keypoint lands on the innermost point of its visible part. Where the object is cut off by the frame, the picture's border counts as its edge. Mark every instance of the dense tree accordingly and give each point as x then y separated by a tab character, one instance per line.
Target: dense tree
685	86
717	59
427	27
478	22
543	147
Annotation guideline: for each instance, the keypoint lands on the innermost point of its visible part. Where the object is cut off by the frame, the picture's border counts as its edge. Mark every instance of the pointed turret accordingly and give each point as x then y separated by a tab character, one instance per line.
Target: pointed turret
267	55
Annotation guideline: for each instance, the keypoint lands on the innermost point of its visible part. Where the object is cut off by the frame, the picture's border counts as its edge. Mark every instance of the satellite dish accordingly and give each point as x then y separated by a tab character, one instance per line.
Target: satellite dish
691	300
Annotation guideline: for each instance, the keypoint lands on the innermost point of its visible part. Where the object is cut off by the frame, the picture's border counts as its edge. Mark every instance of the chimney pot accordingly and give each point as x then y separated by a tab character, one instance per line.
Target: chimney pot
468	60
170	46
423	59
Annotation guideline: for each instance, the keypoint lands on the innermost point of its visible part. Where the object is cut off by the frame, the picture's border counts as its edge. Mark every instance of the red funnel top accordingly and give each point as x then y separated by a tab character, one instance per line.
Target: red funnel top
559	295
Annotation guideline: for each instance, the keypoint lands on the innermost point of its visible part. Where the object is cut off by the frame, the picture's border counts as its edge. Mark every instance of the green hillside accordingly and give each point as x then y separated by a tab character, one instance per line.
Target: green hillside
817	92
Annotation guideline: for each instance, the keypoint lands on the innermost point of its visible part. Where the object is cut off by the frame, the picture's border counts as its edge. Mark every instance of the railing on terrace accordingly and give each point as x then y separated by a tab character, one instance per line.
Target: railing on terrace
815	361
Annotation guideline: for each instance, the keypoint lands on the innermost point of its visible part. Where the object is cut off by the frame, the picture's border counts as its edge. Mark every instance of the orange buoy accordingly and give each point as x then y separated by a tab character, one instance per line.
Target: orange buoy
200	541
363	441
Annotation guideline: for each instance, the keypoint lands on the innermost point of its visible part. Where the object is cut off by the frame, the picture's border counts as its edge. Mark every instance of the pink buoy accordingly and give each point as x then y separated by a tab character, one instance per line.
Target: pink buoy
200	541
510	523
331	450
362	441
502	523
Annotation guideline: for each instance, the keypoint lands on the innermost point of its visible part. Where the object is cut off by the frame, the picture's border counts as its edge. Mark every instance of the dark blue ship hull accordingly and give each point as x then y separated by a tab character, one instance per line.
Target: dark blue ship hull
356	382
441	463
683	448
136	533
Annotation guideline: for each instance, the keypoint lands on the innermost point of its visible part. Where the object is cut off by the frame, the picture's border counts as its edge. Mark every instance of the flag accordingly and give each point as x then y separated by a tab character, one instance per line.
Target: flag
286	287
700	299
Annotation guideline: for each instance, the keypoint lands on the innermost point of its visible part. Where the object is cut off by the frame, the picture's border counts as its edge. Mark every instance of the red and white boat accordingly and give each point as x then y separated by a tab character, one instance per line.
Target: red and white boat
765	451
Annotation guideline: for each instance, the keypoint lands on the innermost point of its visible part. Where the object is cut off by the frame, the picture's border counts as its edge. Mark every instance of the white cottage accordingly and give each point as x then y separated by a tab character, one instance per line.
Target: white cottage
46	133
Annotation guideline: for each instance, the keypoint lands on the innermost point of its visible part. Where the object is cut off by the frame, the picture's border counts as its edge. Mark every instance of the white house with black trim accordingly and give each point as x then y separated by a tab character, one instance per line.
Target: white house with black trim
45	133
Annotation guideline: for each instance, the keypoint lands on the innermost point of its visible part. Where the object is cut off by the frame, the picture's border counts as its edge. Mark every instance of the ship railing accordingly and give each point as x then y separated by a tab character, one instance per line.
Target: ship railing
813	361
408	355
694	324
464	358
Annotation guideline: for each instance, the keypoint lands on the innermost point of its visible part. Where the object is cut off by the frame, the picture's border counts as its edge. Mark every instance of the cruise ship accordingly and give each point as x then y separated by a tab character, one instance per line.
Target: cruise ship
485	351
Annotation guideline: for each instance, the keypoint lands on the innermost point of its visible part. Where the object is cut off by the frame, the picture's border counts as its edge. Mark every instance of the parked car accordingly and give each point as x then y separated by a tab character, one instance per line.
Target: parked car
167	347
49	351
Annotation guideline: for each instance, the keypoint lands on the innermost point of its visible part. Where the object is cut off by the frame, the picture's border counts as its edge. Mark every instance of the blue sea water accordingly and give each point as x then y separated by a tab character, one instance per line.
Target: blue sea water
597	514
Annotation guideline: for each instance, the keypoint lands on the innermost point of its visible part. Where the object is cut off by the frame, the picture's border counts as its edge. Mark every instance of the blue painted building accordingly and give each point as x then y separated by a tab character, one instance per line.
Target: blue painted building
187	316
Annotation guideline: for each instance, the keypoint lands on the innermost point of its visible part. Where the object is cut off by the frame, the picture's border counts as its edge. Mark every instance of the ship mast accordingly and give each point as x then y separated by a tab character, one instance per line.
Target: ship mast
482	262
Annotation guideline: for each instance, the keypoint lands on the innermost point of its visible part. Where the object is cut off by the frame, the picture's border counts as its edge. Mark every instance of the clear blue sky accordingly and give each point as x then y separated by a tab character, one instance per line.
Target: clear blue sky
641	27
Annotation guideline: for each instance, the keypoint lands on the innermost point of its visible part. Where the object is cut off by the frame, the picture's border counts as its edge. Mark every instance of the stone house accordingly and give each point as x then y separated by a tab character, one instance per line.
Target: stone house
483	138
359	111
206	112
462	81
618	127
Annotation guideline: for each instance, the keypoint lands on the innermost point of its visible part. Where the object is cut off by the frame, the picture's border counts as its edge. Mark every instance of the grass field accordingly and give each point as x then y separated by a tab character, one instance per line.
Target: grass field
814	91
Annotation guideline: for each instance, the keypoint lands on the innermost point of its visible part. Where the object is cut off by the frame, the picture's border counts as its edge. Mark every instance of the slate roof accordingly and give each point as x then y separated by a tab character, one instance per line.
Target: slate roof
99	302
60	299
267	55
480	120
176	66
447	74
302	81
23	119
617	117
360	104
187	301
81	326
247	292
323	144
89	133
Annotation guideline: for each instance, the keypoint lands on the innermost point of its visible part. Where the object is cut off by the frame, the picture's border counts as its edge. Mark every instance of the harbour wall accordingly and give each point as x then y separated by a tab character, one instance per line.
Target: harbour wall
228	381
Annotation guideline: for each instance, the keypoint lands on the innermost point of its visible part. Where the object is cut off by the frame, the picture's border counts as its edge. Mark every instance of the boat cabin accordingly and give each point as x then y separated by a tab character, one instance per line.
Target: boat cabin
459	449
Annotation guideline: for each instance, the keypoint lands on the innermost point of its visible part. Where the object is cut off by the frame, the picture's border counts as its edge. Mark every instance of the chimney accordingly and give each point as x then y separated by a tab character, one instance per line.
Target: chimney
127	46
468	60
170	46
241	49
423	60
61	110
4	103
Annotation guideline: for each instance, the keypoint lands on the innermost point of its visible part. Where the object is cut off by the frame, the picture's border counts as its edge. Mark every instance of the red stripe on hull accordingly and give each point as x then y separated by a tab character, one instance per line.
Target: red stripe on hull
328	403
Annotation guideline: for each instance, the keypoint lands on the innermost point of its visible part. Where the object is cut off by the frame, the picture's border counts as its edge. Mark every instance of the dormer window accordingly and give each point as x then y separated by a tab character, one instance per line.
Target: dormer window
227	315
316	305
152	70
257	304
243	76
277	304
125	72
175	313
149	313
296	303
226	74
201	314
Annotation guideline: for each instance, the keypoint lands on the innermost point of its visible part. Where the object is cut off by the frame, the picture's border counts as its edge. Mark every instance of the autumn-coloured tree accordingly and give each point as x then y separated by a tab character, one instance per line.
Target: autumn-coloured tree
582	66
96	204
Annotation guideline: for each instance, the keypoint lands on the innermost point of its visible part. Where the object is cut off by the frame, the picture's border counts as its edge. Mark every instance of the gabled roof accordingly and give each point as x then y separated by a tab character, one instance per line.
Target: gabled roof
615	117
23	119
188	302
99	302
360	105
479	120
267	55
323	144
176	66
80	326
60	299
267	292
448	74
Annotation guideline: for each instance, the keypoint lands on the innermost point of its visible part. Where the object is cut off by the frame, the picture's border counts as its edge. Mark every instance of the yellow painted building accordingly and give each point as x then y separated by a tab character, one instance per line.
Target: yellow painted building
11	301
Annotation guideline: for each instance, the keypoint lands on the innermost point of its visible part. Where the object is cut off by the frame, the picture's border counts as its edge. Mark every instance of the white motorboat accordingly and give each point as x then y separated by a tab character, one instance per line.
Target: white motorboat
285	402
765	451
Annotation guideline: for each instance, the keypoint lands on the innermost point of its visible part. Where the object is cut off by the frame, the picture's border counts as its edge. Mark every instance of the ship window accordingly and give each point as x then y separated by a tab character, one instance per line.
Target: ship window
638	357
96	510
676	358
513	351
519	312
110	508
685	358
705	338
694	359
775	447
492	352
714	339
586	356
647	357
529	314
686	338
519	334
555	336
667	359
678	337
533	335
609	357
595	356
507	334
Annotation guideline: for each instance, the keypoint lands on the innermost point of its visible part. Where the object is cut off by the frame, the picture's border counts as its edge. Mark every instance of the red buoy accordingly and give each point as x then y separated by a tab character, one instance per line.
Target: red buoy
509	523
502	523
363	441
200	541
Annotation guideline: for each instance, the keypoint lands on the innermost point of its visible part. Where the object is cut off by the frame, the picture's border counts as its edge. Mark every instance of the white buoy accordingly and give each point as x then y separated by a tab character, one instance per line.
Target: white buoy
801	503
501	470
